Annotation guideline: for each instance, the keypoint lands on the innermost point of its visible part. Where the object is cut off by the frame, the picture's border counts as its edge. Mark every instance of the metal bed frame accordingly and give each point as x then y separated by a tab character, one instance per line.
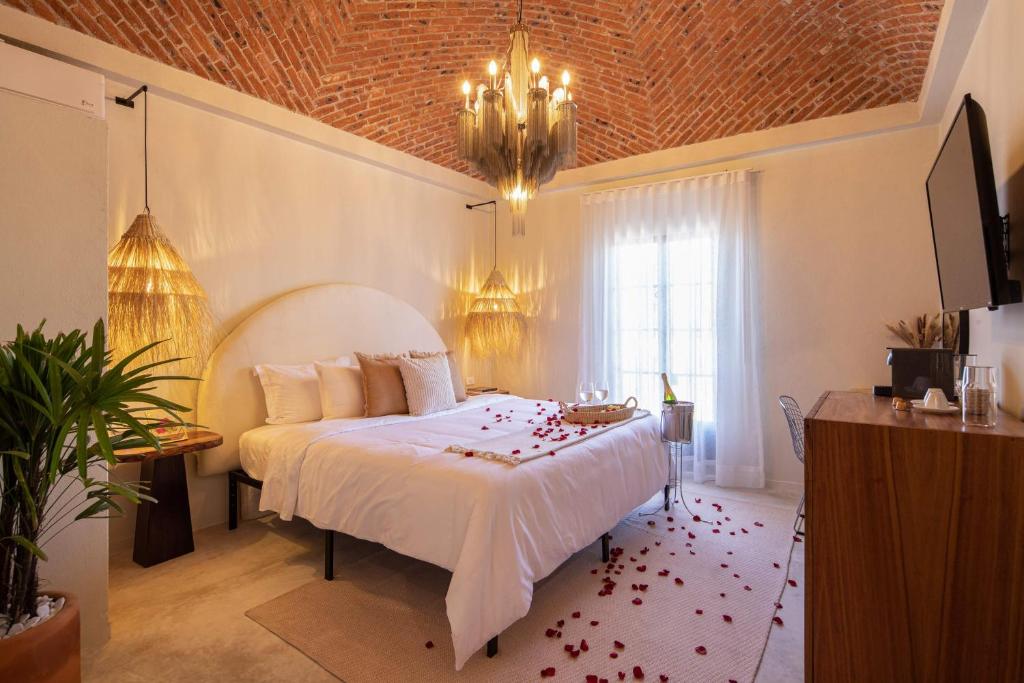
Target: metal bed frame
236	477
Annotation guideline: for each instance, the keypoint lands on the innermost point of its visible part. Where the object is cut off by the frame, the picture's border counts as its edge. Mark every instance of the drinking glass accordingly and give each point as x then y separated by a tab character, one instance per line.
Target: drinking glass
601	391
961	361
979	396
586	392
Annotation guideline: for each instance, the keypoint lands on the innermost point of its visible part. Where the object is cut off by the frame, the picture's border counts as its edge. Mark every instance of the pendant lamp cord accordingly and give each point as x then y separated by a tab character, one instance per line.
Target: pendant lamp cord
495	214
520	19
145	144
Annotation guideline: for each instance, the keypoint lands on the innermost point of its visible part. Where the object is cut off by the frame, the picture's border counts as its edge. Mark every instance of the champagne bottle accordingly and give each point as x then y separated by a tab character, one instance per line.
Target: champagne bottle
670	396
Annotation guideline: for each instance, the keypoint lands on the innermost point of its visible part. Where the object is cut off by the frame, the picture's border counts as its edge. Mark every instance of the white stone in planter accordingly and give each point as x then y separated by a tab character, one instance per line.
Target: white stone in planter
16	629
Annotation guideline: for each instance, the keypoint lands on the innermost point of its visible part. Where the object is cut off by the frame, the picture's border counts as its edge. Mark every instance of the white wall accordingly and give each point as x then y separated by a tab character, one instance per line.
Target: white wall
845	248
994	76
53	186
257	214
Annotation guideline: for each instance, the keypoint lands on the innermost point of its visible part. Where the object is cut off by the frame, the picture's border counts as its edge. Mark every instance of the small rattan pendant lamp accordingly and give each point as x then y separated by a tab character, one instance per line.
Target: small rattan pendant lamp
495	325
152	294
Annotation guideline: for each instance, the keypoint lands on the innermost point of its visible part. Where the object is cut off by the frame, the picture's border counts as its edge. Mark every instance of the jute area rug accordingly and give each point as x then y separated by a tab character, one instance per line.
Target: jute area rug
692	601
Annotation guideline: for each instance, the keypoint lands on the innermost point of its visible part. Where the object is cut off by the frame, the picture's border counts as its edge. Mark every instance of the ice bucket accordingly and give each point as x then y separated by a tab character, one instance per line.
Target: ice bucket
677	422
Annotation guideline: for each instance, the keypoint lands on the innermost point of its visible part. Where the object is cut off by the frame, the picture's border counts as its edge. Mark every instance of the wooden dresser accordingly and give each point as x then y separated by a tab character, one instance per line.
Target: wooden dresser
915	545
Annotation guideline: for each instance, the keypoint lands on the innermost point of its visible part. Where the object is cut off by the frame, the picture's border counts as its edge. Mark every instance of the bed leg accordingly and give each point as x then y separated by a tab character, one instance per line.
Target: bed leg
605	553
492	646
329	555
232	502
667	489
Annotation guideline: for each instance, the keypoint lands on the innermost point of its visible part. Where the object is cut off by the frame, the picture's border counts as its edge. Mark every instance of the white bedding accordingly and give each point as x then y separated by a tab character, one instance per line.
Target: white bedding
498	528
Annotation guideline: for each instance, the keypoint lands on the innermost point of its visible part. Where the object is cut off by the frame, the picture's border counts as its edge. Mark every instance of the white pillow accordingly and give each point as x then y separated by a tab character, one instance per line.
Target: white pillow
292	392
341	390
428	384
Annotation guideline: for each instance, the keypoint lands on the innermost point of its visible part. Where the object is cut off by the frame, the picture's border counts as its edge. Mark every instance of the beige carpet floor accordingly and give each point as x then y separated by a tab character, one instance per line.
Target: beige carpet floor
373	623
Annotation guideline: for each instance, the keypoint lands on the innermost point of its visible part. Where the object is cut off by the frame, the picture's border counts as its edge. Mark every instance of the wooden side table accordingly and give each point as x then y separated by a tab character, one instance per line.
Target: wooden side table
475	391
163	530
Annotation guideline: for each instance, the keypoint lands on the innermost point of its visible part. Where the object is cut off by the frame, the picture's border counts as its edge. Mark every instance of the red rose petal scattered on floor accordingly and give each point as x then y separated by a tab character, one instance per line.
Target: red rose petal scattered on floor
725	566
618	645
657	543
758	524
747	588
650	523
560	623
696	518
575	615
735	576
696	500
699	611
622	676
638	673
726	618
485	428
722	594
663	572
641	567
778	605
574	653
584	646
568	648
701	650
777	620
613	655
550	633
594	623
776	565
429	644
679	582
516	452
744	530
637	601
718	531
593	571
662	678
548	672
591	678
689	534
792	582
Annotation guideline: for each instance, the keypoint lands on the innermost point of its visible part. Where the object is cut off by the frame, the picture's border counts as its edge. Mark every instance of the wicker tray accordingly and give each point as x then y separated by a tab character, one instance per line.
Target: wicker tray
611	412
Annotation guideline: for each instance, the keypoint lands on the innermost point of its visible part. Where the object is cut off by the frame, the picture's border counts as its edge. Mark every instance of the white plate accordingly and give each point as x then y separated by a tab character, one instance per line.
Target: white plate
918	405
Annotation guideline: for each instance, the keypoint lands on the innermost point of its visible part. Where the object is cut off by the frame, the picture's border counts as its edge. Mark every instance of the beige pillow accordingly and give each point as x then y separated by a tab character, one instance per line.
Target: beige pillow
458	386
341	391
428	384
383	388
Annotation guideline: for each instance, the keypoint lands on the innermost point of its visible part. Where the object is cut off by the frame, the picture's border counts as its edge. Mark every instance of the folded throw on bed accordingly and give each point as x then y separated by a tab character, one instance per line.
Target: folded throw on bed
539	438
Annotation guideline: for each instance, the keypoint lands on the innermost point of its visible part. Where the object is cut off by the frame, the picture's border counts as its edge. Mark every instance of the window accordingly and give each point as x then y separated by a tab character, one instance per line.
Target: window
664	292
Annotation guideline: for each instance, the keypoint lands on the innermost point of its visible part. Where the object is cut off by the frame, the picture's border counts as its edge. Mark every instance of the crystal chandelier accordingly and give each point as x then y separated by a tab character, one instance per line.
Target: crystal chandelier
517	133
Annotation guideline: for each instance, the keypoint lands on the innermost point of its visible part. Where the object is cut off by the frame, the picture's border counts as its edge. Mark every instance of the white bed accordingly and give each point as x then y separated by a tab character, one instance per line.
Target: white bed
498	528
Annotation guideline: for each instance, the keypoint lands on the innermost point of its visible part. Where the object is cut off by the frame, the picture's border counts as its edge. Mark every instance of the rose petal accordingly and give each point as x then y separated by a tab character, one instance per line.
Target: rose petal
429	644
584	646
545	673
594	623
701	650
560	623
726	618
622	676
663	678
618	645
591	678
637	601
575	615
613	655
777	620
776	565
679	582
638	673
696	518
792	582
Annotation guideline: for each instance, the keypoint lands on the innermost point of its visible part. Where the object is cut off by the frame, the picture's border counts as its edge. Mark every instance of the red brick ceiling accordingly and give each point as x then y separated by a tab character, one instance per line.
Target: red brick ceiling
648	74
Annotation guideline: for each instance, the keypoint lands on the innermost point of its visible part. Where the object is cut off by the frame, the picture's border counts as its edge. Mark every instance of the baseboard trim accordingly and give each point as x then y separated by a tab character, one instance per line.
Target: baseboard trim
788	487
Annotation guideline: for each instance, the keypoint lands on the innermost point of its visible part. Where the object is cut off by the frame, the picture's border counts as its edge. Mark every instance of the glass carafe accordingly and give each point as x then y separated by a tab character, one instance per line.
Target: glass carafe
978	396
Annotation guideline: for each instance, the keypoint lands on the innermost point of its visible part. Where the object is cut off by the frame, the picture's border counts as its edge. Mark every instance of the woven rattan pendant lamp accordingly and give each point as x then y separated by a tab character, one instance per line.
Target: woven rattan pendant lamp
152	294
495	325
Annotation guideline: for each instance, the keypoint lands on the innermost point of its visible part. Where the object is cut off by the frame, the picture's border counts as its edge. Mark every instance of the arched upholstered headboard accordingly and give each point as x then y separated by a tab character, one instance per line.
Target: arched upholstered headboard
316	323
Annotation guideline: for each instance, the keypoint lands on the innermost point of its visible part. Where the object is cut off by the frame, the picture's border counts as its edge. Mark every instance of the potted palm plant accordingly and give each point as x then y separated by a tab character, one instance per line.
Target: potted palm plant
65	407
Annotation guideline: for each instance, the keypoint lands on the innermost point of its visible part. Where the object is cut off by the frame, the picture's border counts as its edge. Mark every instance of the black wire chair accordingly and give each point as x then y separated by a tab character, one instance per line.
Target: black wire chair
795	418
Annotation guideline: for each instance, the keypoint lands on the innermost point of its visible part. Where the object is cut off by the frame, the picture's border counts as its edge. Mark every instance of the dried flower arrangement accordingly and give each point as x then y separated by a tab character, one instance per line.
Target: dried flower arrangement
926	329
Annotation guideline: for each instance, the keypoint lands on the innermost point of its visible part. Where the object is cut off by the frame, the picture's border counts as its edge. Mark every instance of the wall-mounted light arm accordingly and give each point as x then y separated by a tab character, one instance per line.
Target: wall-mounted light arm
494	203
130	103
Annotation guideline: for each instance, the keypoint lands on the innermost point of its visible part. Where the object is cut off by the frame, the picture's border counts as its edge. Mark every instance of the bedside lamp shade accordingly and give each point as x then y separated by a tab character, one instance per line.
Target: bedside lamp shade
153	295
495	324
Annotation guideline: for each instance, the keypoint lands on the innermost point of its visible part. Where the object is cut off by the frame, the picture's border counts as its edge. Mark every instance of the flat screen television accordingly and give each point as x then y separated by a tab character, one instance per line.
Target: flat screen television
966	225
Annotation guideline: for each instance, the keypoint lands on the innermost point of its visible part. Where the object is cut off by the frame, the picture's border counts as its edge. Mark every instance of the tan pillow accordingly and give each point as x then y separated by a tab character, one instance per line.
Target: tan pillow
428	384
383	388
458	386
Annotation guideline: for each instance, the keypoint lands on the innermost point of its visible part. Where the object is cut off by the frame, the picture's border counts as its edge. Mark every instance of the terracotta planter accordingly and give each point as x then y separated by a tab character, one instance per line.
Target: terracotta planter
49	652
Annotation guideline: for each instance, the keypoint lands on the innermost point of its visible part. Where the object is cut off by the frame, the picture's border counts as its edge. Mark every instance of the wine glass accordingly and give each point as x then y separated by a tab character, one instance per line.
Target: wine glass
586	392
601	391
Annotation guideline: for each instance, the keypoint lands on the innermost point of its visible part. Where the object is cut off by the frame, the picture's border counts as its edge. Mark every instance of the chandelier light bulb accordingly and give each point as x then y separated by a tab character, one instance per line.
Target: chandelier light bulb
465	88
535	65
565	78
559	95
492	68
543	82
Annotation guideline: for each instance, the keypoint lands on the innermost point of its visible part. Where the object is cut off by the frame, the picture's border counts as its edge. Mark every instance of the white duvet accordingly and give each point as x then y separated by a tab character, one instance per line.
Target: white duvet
498	528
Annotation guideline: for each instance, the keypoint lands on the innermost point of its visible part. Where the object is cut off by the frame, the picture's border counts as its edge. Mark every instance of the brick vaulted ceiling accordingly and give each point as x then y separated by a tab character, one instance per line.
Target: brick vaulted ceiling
648	74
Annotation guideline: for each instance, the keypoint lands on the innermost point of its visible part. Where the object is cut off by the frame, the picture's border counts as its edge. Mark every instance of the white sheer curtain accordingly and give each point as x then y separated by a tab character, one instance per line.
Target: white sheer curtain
670	285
